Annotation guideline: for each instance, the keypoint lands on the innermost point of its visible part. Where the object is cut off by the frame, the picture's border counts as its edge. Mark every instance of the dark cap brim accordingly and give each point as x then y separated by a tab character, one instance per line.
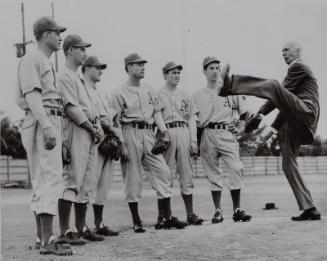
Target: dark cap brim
59	28
82	44
102	66
178	66
210	62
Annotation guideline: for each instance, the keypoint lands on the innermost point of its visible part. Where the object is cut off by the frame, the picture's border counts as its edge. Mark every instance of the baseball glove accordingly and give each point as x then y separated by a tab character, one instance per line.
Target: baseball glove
252	123
162	143
110	147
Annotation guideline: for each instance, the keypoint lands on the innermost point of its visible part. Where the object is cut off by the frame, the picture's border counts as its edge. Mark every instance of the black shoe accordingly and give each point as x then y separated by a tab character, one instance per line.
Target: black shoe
240	215
193	219
217	217
106	231
72	238
226	89
138	227
174	222
308	214
160	223
88	234
55	248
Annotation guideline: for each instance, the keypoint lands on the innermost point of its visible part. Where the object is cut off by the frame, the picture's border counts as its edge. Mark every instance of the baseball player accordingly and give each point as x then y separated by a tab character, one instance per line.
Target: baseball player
297	98
219	140
81	132
39	95
104	167
179	116
139	108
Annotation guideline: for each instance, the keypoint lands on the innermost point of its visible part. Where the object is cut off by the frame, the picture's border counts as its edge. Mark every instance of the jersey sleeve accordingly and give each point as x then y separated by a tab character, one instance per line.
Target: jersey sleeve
28	75
242	105
156	102
68	89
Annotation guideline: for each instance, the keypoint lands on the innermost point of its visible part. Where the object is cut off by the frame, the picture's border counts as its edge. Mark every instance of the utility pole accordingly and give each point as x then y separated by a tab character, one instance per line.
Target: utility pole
56	54
21	47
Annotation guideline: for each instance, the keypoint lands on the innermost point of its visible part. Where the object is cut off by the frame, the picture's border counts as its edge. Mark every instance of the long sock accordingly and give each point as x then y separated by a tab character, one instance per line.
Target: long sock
98	212
80	216
133	207
236	198
160	208
46	227
167	208
64	209
38	226
216	197
188	201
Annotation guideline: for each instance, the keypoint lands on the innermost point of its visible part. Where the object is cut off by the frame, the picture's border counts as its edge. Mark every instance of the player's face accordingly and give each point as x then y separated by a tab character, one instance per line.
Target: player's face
79	55
95	73
53	40
137	70
290	53
212	72
173	77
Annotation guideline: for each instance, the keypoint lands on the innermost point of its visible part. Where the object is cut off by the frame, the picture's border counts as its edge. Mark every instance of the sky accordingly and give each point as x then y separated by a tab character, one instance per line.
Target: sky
248	34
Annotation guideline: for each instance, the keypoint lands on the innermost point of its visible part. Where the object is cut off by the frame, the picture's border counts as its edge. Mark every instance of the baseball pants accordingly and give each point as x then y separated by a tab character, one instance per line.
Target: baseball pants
45	166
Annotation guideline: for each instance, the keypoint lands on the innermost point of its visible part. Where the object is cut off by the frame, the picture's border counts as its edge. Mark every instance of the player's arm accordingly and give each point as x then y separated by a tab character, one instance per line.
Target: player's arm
34	101
159	122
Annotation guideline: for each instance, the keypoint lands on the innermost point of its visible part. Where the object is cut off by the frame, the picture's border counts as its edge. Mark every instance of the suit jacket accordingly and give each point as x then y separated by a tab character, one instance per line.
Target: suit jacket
300	81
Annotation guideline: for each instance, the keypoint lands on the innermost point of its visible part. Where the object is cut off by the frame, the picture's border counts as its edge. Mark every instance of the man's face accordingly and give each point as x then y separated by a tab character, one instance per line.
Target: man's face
79	55
53	39
173	77
212	72
137	70
290	53
94	73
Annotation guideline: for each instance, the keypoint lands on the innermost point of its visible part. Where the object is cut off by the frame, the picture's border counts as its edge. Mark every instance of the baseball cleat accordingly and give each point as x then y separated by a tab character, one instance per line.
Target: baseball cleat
174	222
160	223
193	219
308	214
88	234
106	231
72	238
138	227
240	215
217	217
55	248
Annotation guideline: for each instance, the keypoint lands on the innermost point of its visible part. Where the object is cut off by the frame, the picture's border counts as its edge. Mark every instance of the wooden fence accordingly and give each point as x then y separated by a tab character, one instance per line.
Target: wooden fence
16	170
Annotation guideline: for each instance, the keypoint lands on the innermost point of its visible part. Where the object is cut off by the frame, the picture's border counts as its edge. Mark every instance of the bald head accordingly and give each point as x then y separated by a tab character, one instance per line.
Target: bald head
291	52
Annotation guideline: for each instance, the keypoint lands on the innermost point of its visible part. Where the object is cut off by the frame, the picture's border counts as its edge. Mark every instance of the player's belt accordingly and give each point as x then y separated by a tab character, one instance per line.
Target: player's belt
56	112
176	124
141	125
217	126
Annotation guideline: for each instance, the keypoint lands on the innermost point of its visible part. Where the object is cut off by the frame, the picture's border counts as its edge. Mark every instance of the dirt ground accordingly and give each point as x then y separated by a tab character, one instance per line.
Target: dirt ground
270	235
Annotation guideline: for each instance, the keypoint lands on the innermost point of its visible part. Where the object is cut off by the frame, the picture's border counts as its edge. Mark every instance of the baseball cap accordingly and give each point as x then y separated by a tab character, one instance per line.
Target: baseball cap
134	58
94	61
171	66
74	40
208	60
46	23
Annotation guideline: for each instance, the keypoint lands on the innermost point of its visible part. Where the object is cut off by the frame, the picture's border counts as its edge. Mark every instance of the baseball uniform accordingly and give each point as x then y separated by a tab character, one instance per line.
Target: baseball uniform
177	110
214	114
35	71
79	178
136	107
104	167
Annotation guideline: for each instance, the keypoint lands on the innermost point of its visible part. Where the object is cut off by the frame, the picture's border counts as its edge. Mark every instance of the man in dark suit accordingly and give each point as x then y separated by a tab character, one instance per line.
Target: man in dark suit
297	99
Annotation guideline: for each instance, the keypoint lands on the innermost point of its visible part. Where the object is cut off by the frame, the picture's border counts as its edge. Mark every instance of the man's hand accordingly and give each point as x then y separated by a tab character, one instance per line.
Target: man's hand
96	135
253	122
124	153
233	129
49	138
194	148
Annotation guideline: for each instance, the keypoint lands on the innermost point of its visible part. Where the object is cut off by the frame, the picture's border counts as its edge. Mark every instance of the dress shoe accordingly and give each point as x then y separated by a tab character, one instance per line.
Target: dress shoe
308	214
